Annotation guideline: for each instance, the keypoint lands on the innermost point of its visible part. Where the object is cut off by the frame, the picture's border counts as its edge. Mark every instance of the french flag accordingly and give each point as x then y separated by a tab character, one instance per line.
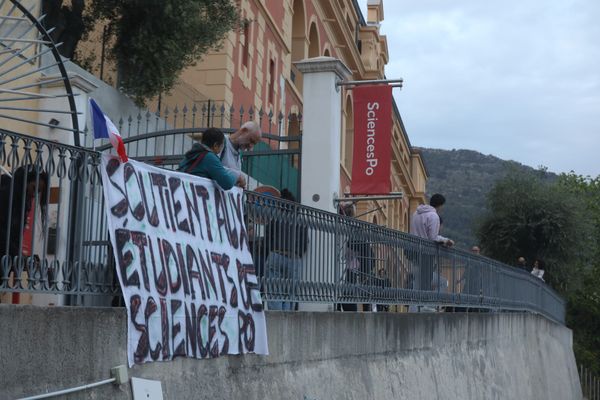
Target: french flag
105	129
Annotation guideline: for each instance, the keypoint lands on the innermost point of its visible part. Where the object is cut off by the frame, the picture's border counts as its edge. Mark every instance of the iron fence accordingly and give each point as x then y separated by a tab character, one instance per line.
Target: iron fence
202	115
54	241
590	384
307	255
53	238
162	138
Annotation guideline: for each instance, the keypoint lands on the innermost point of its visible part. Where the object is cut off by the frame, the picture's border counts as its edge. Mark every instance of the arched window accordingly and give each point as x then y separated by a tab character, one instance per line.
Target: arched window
294	129
293	124
246	44
298	31
326	53
313	42
298	42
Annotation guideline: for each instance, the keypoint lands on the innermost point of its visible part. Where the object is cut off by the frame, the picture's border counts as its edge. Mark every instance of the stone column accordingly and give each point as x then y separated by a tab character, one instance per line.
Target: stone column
320	180
322	125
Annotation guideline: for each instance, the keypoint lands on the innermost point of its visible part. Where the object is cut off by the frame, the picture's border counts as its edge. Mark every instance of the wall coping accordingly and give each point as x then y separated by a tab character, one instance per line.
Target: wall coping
324	64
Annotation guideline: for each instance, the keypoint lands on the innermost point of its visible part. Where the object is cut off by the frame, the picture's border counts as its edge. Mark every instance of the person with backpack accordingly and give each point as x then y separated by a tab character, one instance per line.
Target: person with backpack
202	160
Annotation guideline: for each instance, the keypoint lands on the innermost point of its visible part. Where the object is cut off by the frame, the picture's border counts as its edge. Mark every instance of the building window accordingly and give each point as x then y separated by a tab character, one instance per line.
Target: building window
298	42
298	31
246	44
350	24
313	42
271	81
349	136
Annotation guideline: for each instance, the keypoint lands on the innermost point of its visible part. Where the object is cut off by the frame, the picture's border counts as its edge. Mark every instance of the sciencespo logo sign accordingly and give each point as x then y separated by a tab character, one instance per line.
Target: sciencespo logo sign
372	139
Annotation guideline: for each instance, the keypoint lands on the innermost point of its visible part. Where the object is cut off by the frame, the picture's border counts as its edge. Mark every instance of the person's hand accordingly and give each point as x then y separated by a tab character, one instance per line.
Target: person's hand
449	243
241	181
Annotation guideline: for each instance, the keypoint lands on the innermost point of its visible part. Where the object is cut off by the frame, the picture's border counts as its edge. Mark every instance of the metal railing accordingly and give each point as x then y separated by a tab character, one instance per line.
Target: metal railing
54	240
53	236
162	138
590	384
307	255
202	115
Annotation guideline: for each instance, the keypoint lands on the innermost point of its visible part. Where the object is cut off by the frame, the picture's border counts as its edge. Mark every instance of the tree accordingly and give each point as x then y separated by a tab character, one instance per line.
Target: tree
530	217
558	221
587	192
152	41
583	317
583	307
69	24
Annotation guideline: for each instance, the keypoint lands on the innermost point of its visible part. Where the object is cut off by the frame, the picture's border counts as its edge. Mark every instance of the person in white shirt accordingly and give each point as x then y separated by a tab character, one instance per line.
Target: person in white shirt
538	269
243	139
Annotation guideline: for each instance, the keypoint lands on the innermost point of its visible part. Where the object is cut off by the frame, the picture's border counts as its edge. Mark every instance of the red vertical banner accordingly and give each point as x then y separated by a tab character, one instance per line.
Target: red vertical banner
371	162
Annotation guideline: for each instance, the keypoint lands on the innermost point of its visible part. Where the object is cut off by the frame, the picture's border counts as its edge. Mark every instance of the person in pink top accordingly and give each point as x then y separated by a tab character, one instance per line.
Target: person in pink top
425	223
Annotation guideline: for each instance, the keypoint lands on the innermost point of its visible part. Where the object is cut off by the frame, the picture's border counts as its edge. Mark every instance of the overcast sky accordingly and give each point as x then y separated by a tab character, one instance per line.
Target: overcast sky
519	79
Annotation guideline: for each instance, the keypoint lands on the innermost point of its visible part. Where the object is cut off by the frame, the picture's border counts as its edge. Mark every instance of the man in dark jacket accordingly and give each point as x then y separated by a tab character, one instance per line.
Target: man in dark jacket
287	241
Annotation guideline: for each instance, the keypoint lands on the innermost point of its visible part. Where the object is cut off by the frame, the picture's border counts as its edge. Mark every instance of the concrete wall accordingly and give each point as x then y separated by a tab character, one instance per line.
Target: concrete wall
316	356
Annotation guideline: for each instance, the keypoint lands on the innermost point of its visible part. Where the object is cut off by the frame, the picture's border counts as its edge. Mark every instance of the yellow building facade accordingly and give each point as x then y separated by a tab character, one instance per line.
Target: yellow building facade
254	67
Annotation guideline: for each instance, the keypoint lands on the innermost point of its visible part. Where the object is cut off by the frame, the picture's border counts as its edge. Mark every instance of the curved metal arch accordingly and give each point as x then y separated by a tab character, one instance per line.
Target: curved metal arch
48	41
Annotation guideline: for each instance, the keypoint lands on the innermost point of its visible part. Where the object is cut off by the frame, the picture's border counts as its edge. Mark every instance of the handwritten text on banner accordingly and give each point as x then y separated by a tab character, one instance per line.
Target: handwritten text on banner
182	255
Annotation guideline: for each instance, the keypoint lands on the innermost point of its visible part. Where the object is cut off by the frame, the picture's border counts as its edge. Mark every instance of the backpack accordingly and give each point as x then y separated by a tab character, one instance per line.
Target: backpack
197	161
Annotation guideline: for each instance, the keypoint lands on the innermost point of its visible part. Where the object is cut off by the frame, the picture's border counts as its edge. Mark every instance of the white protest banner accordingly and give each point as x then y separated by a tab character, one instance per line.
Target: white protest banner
182	258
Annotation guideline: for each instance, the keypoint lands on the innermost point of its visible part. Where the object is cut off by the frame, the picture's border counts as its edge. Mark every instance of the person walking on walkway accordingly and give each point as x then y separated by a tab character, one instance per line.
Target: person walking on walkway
425	223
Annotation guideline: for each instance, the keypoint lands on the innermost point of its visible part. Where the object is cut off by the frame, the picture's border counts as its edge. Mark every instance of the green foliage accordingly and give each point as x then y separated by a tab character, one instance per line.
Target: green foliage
583	307
535	219
583	316
558	222
154	40
587	191
68	21
564	208
465	177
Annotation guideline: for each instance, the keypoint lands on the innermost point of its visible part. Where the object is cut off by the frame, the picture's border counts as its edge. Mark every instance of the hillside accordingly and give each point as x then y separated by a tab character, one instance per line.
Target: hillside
465	177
